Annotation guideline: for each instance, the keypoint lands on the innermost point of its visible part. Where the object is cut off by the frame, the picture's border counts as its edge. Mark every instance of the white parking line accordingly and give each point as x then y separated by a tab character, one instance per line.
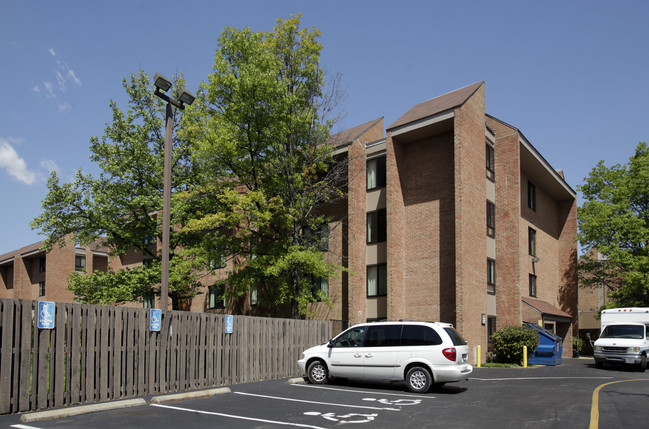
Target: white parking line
317	403
403	395
539	378
253	419
24	427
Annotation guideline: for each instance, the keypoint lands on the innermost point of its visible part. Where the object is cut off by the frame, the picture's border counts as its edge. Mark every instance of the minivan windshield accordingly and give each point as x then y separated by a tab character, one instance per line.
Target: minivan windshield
455	336
635	332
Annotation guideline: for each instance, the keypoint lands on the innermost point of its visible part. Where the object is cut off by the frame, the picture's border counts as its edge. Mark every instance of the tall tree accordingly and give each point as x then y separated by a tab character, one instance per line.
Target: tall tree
614	220
120	206
259	127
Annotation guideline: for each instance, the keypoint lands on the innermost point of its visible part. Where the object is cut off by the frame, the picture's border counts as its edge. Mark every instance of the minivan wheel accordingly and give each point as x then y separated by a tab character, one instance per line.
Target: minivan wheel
317	372
418	379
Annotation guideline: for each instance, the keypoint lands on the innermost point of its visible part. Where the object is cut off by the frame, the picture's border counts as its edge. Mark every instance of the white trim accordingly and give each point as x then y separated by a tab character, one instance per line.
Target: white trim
430	120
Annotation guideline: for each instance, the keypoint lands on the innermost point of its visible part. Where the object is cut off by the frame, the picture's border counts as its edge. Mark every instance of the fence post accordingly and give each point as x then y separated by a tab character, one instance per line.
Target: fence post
524	356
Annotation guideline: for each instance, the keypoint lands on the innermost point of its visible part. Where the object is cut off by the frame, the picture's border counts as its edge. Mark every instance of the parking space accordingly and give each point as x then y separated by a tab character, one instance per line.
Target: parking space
542	397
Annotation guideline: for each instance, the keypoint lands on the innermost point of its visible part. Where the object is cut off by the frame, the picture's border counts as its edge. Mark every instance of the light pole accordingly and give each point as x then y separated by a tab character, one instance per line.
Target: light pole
162	85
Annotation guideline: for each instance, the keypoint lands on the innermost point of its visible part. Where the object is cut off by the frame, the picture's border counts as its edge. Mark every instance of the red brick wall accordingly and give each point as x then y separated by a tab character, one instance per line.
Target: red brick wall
470	219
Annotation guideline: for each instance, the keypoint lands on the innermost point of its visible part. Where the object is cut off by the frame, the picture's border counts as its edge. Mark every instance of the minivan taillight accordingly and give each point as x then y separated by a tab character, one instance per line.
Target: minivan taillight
450	354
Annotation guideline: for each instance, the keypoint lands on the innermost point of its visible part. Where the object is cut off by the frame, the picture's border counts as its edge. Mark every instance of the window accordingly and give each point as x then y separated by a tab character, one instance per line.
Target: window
418	335
531	236
491	327
217	260
147	263
41	288
531	195
254	297
532	285
376	173
383	336
491	219
149	301
41	265
79	263
377	226
490	162
377	280
491	276
217	298
320	284
351	338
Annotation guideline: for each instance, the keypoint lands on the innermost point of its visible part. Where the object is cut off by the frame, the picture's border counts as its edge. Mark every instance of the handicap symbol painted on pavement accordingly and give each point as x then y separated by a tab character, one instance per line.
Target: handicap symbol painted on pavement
344	418
395	402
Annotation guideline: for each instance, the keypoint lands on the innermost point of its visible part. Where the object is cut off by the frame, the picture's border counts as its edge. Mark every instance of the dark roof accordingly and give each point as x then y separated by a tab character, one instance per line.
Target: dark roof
437	105
351	134
22	250
545	307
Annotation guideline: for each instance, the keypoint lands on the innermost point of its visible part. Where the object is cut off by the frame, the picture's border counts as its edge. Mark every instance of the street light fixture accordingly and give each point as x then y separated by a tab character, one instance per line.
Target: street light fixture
162	85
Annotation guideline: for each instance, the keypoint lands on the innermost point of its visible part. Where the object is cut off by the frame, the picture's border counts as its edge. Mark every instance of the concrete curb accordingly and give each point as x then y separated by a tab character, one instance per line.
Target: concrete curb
84	409
189	395
297	380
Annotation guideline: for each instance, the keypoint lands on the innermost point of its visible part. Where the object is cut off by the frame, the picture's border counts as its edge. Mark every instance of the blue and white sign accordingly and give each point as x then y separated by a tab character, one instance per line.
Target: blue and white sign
229	322
46	311
155	319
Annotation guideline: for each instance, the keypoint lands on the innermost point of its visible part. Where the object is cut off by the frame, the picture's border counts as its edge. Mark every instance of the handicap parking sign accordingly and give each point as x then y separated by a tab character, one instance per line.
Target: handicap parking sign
229	321
46	311
155	319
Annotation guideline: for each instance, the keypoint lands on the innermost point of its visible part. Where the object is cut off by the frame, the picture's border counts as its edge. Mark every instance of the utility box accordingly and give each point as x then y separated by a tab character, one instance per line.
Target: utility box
550	347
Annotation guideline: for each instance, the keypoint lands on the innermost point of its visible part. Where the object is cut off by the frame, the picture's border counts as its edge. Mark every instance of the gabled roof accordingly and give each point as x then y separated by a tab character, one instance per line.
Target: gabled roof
545	307
351	134
23	250
437	105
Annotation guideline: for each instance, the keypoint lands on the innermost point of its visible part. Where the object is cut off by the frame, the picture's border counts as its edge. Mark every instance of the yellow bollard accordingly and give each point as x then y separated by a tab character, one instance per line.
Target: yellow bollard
478	357
524	356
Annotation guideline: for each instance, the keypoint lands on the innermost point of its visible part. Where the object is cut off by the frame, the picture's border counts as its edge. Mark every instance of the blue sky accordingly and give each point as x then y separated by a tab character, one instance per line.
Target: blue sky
572	76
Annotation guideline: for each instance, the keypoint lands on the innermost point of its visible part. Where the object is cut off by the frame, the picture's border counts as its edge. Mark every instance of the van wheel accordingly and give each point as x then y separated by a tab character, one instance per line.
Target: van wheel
317	372
599	364
418	379
643	363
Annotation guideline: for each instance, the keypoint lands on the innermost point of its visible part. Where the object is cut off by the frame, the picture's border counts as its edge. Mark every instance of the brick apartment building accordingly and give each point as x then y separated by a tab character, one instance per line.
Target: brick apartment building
452	215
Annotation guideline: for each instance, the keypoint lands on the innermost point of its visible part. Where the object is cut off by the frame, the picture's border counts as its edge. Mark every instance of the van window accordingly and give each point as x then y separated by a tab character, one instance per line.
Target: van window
351	338
623	331
383	336
417	335
455	336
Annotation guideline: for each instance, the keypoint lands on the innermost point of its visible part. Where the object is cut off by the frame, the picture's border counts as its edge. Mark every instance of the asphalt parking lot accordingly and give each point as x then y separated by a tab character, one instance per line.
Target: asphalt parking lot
573	394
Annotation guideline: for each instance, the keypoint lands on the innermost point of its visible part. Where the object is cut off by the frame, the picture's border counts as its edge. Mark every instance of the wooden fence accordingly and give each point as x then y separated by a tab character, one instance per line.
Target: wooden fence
100	353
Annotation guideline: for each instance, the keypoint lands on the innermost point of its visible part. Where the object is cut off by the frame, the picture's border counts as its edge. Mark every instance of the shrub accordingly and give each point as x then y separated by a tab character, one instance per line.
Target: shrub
508	344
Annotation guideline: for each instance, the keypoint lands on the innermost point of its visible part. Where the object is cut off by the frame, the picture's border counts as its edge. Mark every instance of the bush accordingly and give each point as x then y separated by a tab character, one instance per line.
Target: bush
508	344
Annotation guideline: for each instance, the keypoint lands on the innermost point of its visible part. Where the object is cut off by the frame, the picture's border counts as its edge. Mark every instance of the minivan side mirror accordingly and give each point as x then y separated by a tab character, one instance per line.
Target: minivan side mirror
330	343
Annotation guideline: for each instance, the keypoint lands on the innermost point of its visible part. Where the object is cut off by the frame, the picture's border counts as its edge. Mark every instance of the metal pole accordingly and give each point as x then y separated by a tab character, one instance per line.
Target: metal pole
166	209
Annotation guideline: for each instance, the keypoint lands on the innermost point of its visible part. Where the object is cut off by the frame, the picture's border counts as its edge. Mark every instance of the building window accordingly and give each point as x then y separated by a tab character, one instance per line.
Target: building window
217	259
254	295
376	173
491	219
531	195
217	297
532	285
491	276
531	238
149	301
79	263
377	280
41	288
490	162
41	265
491	327
320	288
377	226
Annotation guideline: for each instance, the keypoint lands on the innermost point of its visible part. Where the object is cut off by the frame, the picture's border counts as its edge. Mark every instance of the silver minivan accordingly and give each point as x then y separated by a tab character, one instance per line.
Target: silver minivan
424	354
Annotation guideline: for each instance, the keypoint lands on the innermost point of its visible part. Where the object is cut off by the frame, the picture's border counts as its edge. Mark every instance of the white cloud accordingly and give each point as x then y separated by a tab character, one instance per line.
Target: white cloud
36	88
64	107
49	165
64	76
74	77
14	165
51	51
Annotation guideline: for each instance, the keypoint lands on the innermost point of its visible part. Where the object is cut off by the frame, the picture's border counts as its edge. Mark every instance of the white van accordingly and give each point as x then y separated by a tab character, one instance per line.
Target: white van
424	354
624	337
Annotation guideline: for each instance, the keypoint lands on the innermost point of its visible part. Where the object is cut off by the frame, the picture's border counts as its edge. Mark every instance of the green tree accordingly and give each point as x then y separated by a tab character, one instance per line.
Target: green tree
119	208
614	220
258	126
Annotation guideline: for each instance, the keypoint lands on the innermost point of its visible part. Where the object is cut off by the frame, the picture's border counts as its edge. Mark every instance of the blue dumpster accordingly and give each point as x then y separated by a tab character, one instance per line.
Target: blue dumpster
550	347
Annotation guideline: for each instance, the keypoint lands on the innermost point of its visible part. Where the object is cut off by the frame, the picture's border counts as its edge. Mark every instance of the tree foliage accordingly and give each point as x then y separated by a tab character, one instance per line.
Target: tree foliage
614	220
258	126
119	207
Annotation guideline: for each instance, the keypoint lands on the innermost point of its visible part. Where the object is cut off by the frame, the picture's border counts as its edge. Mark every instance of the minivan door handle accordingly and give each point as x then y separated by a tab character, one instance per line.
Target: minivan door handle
357	355
369	355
